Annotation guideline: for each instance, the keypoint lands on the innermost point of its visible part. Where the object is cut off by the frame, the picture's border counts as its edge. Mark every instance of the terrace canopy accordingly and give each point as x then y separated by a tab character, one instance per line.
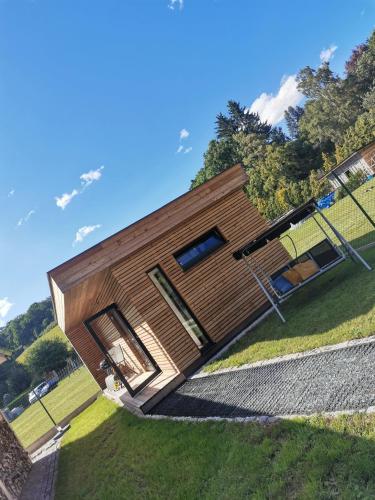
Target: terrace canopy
304	268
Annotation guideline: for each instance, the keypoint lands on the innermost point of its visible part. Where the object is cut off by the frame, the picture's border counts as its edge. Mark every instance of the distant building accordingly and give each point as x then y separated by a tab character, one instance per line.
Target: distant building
362	160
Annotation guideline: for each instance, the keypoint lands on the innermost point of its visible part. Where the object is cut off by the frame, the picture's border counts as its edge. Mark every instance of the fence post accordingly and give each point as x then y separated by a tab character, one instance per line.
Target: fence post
342	184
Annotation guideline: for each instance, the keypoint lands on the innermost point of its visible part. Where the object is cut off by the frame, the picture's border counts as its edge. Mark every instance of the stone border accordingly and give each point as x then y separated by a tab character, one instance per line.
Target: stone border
287	357
260	419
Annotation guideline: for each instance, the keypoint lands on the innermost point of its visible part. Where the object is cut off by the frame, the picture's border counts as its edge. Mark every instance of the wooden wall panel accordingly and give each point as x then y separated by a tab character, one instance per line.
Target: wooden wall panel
220	290
90	353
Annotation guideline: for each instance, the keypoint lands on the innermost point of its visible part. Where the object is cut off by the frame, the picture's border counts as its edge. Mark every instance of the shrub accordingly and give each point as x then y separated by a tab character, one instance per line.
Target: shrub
47	355
355	180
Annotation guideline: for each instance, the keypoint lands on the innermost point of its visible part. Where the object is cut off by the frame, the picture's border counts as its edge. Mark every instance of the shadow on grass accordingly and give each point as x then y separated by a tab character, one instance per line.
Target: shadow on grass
110	454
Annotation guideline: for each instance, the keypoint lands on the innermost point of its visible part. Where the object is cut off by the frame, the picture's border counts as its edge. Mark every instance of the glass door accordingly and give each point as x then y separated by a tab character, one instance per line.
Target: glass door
122	348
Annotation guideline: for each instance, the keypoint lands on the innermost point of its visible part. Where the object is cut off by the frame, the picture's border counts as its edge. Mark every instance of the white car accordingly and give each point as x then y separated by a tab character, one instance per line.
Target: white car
39	391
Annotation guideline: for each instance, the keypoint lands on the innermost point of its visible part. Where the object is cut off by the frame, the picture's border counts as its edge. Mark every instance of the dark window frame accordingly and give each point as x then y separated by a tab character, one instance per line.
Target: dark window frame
196	242
210	342
114	307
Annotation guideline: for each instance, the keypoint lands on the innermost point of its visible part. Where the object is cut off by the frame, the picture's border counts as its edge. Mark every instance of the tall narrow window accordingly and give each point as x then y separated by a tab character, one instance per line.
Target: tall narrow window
179	307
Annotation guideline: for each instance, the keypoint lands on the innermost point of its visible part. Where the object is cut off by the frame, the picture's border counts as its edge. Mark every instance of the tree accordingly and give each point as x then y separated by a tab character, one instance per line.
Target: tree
18	378
357	136
313	83
351	63
292	117
219	156
240	119
47	355
25	328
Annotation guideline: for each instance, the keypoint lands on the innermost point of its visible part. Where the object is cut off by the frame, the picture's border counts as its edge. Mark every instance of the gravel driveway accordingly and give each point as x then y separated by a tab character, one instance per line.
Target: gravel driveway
340	379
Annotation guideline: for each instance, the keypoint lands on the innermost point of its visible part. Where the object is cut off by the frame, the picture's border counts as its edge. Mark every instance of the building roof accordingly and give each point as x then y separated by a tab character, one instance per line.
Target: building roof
75	283
348	158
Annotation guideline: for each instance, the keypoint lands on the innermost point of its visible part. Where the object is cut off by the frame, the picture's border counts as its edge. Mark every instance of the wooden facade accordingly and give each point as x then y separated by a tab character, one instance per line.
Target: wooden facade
220	293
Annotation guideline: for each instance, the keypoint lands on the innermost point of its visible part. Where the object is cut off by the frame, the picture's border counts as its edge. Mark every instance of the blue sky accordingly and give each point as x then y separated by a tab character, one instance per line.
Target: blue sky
115	102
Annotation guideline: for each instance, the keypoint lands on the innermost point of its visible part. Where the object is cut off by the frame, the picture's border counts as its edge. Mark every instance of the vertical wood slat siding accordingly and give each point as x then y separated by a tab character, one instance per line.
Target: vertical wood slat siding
219	291
90	353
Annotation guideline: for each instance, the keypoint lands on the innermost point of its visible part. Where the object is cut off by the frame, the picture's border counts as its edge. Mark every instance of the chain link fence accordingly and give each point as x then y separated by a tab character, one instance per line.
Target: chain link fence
352	214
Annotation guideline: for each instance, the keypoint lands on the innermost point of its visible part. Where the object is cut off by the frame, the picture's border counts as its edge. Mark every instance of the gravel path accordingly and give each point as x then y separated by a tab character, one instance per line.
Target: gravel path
341	379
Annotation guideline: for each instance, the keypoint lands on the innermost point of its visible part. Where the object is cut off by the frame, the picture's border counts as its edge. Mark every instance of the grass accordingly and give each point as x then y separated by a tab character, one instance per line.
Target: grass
336	307
346	217
111	454
68	395
54	333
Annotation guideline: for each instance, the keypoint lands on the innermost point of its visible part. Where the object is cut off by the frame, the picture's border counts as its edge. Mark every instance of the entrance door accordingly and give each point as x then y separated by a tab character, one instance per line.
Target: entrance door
122	348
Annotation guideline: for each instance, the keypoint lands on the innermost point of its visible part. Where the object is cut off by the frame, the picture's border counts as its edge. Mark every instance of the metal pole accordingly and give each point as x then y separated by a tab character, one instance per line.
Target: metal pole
44	408
346	244
265	291
342	184
327	236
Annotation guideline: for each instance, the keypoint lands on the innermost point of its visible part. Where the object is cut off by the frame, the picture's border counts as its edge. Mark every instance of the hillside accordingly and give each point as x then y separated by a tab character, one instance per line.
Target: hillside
26	328
54	333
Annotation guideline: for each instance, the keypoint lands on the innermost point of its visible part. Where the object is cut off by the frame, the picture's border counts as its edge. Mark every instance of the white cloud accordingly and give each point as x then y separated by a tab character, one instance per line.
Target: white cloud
5	306
91	176
26	218
271	107
180	149
11	193
84	231
327	54
176	3
86	179
187	150
64	200
184	134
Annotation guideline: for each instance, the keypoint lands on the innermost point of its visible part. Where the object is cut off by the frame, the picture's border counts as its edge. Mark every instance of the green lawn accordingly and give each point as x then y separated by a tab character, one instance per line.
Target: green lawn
68	395
110	454
54	333
338	306
346	217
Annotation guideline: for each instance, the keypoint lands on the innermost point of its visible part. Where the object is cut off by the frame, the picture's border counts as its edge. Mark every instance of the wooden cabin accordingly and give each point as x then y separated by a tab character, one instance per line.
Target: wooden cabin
159	298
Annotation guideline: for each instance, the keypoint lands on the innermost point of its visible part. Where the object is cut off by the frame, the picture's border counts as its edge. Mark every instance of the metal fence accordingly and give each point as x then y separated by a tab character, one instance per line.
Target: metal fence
73	386
352	213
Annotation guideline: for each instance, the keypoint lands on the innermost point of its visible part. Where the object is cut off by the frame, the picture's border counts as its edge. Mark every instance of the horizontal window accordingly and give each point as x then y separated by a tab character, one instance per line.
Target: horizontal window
199	249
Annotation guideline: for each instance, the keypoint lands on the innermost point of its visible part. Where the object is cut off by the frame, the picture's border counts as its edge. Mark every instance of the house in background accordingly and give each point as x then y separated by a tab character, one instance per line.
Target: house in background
159	298
362	160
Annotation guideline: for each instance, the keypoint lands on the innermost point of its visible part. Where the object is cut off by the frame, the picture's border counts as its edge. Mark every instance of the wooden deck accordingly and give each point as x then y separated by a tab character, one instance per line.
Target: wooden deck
148	397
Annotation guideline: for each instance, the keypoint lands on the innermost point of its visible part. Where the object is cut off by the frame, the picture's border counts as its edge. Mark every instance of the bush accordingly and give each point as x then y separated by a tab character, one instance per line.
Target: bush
47	355
18	378
355	180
